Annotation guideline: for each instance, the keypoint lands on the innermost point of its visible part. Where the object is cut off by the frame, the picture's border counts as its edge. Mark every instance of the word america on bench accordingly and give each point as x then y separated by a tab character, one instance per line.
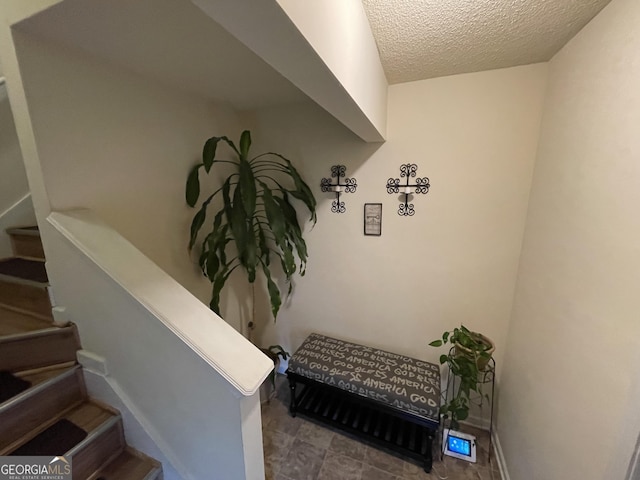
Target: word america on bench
386	399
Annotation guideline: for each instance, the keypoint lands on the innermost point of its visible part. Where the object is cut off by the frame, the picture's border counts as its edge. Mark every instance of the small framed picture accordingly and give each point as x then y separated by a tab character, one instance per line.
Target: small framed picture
373	219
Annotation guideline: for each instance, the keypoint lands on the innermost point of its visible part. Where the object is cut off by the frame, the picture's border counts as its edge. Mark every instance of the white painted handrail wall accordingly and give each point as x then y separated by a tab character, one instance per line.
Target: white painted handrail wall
217	343
191	377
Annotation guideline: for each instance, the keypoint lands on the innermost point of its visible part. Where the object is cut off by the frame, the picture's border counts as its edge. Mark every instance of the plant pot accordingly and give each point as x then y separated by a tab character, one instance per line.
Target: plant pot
481	362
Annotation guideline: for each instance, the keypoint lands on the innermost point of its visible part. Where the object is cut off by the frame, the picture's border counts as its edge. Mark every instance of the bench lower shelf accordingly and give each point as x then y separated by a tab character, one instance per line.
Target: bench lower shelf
375	423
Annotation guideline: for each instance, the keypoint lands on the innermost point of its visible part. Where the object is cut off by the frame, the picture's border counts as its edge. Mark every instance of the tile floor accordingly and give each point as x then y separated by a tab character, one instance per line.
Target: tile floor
298	449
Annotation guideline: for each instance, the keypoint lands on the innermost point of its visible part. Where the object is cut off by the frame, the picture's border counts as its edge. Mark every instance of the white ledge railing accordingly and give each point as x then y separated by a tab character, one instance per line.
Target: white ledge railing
231	355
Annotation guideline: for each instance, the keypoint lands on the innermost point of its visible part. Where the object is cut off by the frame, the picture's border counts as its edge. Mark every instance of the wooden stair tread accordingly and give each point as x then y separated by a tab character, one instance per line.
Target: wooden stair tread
27	297
127	466
86	415
36	377
26	243
12	322
21	268
38	348
29	230
36	409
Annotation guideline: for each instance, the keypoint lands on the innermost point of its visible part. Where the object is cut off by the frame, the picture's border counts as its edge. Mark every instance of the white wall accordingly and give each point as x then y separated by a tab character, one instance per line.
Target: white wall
136	434
122	146
349	51
286	36
13	180
15	206
570	394
189	409
20	213
456	260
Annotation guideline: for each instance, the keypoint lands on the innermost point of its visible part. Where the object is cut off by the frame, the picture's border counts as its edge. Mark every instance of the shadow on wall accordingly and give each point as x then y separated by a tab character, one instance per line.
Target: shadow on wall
16	208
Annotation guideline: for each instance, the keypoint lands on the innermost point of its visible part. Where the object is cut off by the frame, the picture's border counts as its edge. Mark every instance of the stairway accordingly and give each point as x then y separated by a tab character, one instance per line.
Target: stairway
44	406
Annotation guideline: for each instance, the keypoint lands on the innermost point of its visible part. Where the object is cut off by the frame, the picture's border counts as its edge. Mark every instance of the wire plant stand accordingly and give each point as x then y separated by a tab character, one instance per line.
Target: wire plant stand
486	380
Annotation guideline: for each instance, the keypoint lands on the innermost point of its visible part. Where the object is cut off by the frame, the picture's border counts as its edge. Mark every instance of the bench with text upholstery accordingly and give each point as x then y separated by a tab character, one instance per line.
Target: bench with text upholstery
387	399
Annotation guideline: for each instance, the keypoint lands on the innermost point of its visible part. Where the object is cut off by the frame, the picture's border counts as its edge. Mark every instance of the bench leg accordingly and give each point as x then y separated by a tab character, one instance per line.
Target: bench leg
428	455
292	403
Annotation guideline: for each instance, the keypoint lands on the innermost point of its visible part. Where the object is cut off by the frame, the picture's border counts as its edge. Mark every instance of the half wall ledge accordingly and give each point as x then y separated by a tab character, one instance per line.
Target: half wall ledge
204	332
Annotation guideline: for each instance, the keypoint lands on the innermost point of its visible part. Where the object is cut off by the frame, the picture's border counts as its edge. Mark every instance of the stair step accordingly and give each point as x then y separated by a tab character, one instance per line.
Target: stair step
18	382
41	377
31	230
26	242
40	348
129	465
24	271
11	385
28	413
29	299
12	322
104	442
56	440
45	407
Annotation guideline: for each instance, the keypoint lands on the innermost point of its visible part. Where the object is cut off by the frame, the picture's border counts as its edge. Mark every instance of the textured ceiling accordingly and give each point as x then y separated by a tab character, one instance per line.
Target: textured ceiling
421	39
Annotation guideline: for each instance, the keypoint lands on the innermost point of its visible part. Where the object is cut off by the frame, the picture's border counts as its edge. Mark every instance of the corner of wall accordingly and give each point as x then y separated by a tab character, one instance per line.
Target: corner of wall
19	214
138	431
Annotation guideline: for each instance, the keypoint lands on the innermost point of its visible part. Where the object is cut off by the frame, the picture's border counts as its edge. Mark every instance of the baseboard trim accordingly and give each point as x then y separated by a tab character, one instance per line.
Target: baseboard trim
480	422
17	204
483	424
495	442
502	464
20	213
139	432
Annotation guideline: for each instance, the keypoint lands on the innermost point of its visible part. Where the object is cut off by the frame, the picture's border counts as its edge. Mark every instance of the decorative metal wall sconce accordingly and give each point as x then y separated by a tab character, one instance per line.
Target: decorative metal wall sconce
349	186
421	187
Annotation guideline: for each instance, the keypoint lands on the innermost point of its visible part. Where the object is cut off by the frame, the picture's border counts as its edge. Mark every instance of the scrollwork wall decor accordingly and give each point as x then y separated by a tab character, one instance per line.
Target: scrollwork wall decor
348	186
421	186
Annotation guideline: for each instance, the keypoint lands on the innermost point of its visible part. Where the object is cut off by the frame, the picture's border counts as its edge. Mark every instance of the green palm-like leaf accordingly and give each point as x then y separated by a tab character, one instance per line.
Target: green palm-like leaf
302	191
196	225
226	189
192	192
294	231
209	151
248	188
238	223
274	292
217	284
245	143
198	221
213	264
251	256
264	248
256	217
277	222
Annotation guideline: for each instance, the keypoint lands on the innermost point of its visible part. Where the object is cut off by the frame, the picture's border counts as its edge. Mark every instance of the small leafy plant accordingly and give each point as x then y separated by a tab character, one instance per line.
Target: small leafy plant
257	217
466	361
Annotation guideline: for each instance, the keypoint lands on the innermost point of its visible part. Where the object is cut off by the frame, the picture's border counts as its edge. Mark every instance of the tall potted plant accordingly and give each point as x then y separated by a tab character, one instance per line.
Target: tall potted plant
467	360
257	221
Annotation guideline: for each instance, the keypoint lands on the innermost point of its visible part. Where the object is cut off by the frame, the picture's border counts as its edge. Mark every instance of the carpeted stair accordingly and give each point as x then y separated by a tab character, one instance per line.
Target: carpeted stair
44	406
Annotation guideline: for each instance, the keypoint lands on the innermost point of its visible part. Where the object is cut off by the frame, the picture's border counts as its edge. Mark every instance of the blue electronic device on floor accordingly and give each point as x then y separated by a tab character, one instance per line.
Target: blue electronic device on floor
459	445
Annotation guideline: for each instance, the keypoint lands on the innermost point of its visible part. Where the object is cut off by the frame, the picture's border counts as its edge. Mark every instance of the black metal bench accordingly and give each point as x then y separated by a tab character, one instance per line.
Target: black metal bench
387	399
